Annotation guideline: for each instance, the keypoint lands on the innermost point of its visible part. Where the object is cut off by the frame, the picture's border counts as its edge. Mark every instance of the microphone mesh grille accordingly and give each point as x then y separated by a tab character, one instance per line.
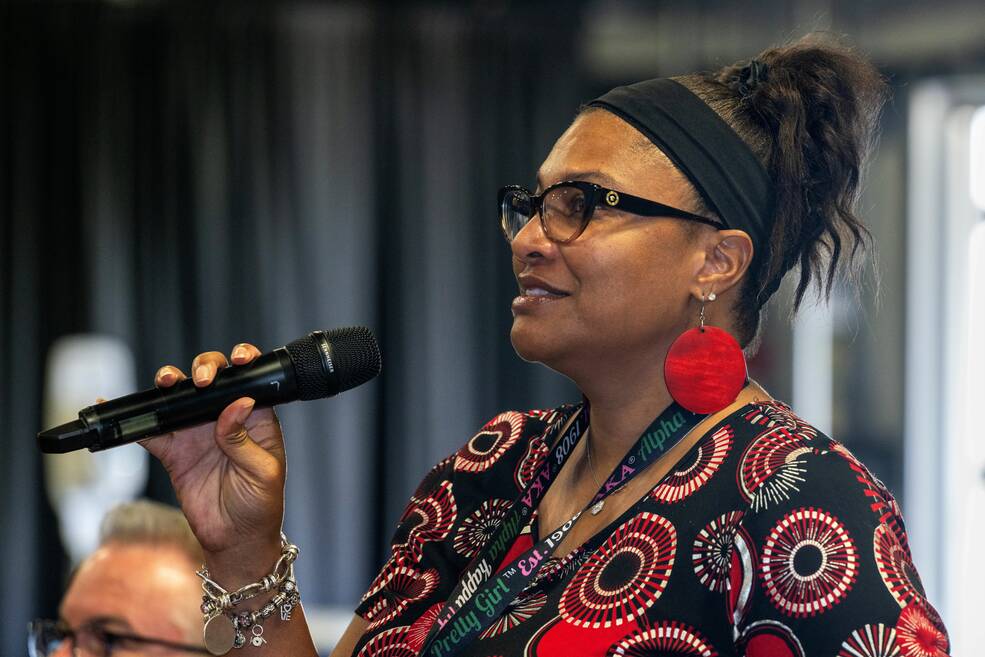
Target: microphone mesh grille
311	379
355	354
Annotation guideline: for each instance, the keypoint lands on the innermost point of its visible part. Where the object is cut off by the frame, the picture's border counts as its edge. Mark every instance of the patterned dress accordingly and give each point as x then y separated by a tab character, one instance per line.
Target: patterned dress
769	539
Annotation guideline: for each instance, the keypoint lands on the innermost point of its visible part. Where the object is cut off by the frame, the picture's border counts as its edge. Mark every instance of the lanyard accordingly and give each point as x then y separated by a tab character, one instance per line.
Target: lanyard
481	597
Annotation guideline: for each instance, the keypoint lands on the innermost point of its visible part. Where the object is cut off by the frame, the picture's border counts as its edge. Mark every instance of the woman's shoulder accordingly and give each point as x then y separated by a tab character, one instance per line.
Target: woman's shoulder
783	459
777	434
501	456
815	513
507	432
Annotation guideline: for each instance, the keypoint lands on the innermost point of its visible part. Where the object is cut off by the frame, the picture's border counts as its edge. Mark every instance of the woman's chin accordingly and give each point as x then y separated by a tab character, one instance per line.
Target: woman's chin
534	346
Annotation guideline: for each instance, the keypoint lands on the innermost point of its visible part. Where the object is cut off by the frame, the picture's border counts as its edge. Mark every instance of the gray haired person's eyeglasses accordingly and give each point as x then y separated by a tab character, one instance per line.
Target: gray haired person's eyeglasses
45	637
565	208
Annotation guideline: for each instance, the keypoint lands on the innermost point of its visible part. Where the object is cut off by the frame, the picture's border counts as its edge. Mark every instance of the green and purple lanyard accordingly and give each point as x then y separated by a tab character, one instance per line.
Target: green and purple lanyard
480	596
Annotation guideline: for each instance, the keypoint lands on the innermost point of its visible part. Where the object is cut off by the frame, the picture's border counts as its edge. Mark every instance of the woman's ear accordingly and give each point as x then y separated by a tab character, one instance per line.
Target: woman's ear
728	254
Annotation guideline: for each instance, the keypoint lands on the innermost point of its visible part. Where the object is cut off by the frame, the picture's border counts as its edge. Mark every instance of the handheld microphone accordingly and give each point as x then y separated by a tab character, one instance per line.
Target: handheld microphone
321	364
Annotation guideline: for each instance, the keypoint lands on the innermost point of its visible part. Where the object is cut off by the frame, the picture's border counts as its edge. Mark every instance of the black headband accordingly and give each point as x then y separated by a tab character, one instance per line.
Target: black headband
704	148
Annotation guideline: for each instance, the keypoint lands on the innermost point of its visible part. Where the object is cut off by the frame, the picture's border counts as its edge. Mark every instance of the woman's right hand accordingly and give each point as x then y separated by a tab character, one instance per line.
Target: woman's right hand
228	475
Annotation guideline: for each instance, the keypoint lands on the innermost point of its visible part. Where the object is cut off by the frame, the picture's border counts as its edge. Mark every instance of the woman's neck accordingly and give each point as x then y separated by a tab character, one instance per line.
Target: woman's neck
617	424
621	412
623	408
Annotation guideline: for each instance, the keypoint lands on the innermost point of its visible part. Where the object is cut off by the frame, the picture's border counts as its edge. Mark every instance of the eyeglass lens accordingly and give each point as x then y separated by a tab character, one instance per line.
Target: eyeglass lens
515	212
47	638
563	211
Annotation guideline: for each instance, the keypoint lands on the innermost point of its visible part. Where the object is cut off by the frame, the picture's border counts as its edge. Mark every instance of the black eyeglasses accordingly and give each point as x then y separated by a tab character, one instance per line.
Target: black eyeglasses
565	208
45	637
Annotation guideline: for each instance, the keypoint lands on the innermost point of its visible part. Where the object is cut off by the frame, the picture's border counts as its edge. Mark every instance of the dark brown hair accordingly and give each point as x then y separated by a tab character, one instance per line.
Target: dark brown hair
810	115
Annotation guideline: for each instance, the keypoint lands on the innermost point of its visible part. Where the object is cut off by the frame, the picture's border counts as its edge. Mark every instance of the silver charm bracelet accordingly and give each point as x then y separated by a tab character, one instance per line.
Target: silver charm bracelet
224	627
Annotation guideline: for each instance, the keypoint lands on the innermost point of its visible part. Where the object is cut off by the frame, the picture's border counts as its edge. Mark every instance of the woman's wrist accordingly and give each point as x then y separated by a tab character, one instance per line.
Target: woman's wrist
235	616
243	564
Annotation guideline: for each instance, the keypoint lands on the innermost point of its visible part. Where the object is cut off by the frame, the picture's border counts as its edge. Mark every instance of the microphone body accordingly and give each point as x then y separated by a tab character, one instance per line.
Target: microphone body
318	365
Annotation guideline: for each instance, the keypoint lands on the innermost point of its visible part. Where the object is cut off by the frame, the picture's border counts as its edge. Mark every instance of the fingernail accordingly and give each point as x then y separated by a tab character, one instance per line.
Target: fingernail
239	352
201	373
245	411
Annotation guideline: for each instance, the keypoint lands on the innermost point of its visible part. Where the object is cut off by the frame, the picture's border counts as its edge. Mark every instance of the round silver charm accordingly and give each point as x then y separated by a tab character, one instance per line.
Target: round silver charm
219	634
243	620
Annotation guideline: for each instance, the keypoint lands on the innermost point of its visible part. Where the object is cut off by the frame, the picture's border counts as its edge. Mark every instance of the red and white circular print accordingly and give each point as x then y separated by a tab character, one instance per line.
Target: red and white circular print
920	632
519	611
389	643
418	632
479	526
771	469
769	638
665	638
895	566
485	447
425	520
875	640
526	468
684	481
400	587
624	577
809	562
711	554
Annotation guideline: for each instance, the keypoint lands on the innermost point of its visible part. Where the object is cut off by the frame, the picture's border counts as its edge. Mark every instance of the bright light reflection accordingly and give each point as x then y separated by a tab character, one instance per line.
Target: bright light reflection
976	172
967	529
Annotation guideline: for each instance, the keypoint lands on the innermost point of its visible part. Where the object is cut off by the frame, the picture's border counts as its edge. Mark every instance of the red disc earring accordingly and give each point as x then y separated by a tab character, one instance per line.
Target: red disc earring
705	369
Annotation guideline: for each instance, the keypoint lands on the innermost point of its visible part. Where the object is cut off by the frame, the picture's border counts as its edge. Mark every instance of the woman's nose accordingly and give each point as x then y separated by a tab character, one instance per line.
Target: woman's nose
531	241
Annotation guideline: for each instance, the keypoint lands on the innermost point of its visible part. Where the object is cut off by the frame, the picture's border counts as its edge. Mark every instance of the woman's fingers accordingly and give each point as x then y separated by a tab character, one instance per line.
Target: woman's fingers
244	353
236	443
205	366
167	376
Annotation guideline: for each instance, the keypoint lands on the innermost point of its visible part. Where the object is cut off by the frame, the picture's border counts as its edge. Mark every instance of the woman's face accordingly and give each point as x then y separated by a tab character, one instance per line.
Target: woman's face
621	291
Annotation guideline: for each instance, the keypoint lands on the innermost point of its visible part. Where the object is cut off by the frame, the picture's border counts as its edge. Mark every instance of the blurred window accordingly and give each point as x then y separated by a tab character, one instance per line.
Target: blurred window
944	499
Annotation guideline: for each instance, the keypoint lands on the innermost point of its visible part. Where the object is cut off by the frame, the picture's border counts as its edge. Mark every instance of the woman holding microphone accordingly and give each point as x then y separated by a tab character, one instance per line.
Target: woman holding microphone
677	508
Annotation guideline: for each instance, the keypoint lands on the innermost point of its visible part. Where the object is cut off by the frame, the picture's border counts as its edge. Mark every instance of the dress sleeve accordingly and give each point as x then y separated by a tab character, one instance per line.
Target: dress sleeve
821	566
448	519
416	562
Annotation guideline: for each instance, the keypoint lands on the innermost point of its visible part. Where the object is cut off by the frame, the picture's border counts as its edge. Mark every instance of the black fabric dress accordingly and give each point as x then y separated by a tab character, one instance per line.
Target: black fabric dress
769	539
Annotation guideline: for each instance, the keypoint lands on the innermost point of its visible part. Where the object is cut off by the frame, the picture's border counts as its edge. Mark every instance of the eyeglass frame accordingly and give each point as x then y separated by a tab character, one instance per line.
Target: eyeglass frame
594	193
106	637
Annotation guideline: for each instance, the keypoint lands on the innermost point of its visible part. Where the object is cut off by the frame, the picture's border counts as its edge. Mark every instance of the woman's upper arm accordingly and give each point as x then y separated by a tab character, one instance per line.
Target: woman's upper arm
823	564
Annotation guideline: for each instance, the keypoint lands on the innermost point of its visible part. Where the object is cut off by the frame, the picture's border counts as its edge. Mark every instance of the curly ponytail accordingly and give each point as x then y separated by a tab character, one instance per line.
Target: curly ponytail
809	112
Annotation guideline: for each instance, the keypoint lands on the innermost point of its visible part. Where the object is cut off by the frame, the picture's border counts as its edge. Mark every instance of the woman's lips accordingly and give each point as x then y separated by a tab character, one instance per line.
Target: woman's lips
535	297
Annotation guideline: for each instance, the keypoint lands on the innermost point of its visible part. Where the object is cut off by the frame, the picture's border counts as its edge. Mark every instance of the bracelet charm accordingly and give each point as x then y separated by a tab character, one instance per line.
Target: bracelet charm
225	627
219	634
258	639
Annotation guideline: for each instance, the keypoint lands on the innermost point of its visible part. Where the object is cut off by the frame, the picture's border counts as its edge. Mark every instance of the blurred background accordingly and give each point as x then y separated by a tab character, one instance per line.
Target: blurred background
181	176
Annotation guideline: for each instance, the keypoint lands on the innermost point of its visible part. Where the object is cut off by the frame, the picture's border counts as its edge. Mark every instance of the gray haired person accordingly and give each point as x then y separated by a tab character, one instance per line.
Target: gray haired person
137	594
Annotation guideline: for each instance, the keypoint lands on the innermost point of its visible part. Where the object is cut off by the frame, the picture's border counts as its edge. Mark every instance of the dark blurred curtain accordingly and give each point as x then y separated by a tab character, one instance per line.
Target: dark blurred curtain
190	175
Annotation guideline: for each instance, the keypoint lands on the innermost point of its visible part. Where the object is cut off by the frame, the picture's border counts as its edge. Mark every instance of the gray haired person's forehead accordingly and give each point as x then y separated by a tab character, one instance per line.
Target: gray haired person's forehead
149	522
